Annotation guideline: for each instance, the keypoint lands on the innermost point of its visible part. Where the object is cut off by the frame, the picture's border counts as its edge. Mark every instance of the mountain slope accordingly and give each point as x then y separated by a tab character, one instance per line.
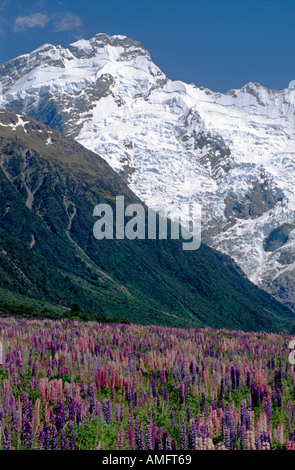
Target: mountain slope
176	143
49	186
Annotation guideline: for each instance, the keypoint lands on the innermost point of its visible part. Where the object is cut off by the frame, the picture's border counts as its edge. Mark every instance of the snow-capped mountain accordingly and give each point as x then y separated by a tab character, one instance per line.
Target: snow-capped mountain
176	144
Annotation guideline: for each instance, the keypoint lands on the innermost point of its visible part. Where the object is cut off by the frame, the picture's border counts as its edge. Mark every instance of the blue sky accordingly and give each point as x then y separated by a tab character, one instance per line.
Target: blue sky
220	44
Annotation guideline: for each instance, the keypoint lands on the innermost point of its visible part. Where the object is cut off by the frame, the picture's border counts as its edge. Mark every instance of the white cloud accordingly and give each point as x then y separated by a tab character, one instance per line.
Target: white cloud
4	4
67	22
37	20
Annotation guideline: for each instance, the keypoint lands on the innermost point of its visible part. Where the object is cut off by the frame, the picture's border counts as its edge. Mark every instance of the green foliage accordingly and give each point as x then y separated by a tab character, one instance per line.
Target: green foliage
44	258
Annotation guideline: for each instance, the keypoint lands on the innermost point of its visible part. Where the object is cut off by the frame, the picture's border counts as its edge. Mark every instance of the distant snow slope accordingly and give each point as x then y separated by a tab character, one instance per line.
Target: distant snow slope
176	143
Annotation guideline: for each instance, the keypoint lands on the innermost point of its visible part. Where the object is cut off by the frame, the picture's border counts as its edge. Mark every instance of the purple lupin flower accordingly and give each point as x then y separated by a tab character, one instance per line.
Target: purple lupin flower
72	432
54	438
166	396
168	444
118	411
166	441
105	407
64	443
265	439
154	388
158	399
243	437
6	400
138	433
122	413
109	412
35	370
186	391
120	437
226	436
258	442
221	390
154	433
130	431
45	436
157	443
227	431
173	417
192	437
83	391
238	374
92	398
273	399
214	405
193	371
7	440
255	395
78	411
202	403
141	444
278	378
233	377
183	437
279	398
289	418
248	380
189	413
149	432
181	394
27	417
40	438
59	414
160	438
134	399
165	436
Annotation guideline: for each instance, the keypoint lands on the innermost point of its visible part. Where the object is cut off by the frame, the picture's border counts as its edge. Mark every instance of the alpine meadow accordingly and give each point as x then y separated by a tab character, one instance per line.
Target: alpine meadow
147	229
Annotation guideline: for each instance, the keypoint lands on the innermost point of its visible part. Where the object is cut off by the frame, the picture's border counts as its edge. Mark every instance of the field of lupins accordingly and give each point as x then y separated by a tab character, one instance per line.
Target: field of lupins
70	385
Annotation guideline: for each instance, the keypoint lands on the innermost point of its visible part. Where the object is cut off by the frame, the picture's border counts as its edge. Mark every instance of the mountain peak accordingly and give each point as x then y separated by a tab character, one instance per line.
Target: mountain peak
87	48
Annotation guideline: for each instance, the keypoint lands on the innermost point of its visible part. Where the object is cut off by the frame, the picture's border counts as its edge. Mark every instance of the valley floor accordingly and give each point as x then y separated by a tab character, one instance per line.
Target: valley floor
70	385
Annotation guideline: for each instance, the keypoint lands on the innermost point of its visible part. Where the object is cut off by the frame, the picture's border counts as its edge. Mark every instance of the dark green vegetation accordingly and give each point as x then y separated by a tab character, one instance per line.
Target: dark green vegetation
75	313
49	186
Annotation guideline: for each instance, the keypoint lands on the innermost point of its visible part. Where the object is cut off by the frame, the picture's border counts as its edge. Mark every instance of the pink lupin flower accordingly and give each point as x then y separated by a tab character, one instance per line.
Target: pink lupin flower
36	415
251	440
59	388
261	424
130	432
47	413
206	377
199	443
208	444
279	433
290	445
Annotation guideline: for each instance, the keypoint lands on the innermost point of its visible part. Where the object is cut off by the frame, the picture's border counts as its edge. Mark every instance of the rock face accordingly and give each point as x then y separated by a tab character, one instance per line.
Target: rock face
49	186
176	144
